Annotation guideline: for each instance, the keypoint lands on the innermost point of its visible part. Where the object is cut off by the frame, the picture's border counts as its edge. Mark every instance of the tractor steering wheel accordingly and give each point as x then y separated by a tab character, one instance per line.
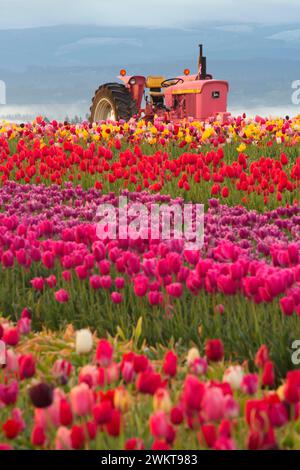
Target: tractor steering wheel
171	82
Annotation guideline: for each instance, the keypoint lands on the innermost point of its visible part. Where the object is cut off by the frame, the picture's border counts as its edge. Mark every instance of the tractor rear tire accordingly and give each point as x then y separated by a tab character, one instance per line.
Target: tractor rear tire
112	101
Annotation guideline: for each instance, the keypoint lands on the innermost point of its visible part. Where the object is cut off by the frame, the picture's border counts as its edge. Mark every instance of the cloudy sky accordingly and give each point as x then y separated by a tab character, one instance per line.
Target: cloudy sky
179	13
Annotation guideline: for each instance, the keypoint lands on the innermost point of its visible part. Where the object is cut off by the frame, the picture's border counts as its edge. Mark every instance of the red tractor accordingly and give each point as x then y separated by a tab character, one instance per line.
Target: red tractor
196	96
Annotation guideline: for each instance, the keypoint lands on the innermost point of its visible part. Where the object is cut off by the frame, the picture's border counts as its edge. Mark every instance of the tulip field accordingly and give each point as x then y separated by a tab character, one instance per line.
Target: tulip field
139	343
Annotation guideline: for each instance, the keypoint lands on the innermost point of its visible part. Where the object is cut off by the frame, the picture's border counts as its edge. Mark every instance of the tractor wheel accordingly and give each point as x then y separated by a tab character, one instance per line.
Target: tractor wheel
112	101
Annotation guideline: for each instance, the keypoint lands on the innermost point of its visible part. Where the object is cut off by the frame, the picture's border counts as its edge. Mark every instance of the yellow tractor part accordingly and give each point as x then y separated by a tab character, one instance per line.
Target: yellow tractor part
154	81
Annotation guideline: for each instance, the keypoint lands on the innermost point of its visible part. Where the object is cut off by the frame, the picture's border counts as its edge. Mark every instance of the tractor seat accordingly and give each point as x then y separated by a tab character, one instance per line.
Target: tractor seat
154	81
156	93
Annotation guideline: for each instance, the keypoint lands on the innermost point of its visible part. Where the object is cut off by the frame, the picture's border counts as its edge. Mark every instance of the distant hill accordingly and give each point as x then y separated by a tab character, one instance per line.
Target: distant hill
62	65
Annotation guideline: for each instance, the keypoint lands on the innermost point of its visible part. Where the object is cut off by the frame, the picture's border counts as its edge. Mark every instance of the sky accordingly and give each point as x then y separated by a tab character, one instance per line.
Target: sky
153	13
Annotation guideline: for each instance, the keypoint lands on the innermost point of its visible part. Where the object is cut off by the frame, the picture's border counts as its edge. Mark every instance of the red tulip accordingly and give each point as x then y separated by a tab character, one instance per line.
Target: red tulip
11	336
26	366
268	376
149	382
262	356
113	427
193	392
11	428
209	433
102	412
292	387
170	364
135	443
38	436
104	353
77	437
176	415
214	350
160	445
65	413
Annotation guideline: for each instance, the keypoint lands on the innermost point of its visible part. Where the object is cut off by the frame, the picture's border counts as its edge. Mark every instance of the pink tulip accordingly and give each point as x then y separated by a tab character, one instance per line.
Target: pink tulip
249	384
95	281
116	297
7	259
81	398
213	404
175	289
9	393
119	282
51	281
38	283
287	306
48	259
63	439
62	296
159	425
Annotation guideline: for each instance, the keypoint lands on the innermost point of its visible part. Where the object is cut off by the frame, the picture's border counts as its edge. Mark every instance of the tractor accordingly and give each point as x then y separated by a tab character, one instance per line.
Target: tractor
197	96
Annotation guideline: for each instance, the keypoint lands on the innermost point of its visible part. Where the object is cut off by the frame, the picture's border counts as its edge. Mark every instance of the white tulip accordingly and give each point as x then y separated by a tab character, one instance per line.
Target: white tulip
234	376
193	354
84	341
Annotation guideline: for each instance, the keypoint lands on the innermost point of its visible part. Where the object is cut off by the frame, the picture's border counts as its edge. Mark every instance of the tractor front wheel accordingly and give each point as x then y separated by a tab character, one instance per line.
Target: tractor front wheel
112	101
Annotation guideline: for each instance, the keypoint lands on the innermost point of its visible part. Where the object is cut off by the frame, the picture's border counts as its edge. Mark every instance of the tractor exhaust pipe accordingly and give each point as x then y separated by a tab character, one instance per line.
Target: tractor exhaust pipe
201	64
200	55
